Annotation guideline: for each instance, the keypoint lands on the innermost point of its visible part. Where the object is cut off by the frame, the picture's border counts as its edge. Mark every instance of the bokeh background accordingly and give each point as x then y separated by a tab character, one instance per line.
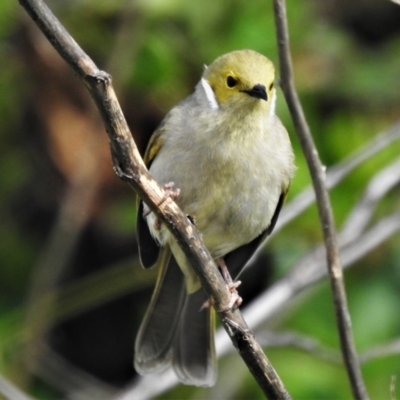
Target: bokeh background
72	292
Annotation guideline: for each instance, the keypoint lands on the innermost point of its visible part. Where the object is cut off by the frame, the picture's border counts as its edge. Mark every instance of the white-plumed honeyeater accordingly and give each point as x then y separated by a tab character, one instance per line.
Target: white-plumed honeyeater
230	157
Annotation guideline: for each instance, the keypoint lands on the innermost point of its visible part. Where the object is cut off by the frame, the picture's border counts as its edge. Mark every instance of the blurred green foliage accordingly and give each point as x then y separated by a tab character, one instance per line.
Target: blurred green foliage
348	82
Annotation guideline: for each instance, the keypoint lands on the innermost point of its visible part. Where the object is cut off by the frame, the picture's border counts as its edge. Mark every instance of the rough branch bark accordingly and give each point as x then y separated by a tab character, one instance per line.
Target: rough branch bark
129	167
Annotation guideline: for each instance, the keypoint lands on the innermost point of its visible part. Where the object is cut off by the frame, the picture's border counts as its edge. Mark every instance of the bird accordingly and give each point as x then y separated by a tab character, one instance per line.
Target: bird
226	159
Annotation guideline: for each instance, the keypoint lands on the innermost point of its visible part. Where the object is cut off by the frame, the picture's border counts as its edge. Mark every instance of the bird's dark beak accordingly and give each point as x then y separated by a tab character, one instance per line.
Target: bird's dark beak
257	91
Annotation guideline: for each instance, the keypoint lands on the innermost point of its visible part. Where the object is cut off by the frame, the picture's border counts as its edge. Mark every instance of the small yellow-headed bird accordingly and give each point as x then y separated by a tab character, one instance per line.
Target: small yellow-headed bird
230	157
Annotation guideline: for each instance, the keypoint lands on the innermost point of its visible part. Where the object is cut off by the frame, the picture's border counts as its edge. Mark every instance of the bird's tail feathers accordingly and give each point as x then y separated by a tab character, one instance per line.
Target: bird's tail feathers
194	358
154	340
176	330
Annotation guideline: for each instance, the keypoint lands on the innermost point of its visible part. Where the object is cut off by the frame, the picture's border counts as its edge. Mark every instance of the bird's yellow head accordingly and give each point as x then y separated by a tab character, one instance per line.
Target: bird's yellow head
241	77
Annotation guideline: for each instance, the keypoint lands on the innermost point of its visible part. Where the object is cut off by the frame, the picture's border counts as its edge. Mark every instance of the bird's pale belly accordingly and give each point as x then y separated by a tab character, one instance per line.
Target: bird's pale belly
230	220
230	202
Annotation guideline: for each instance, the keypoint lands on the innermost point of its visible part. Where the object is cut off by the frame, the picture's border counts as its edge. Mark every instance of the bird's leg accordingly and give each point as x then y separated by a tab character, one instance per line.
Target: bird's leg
169	192
235	300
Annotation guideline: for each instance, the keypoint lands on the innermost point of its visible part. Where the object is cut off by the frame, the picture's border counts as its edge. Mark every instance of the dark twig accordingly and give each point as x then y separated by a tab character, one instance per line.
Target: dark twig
129	166
323	204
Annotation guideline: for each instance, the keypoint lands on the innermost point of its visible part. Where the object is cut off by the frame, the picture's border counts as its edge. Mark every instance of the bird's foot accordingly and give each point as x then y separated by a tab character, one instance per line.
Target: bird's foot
235	300
169	192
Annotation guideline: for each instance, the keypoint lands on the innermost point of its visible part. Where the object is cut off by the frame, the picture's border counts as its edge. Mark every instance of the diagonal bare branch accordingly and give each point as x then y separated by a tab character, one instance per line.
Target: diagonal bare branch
129	167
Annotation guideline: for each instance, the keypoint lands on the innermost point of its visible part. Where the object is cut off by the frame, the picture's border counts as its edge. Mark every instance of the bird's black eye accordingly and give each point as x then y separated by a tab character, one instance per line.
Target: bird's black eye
271	86
231	81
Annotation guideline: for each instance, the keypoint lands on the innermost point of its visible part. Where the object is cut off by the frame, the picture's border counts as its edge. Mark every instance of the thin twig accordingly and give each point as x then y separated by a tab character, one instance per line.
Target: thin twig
336	173
378	187
384	350
313	346
130	167
323	203
299	341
